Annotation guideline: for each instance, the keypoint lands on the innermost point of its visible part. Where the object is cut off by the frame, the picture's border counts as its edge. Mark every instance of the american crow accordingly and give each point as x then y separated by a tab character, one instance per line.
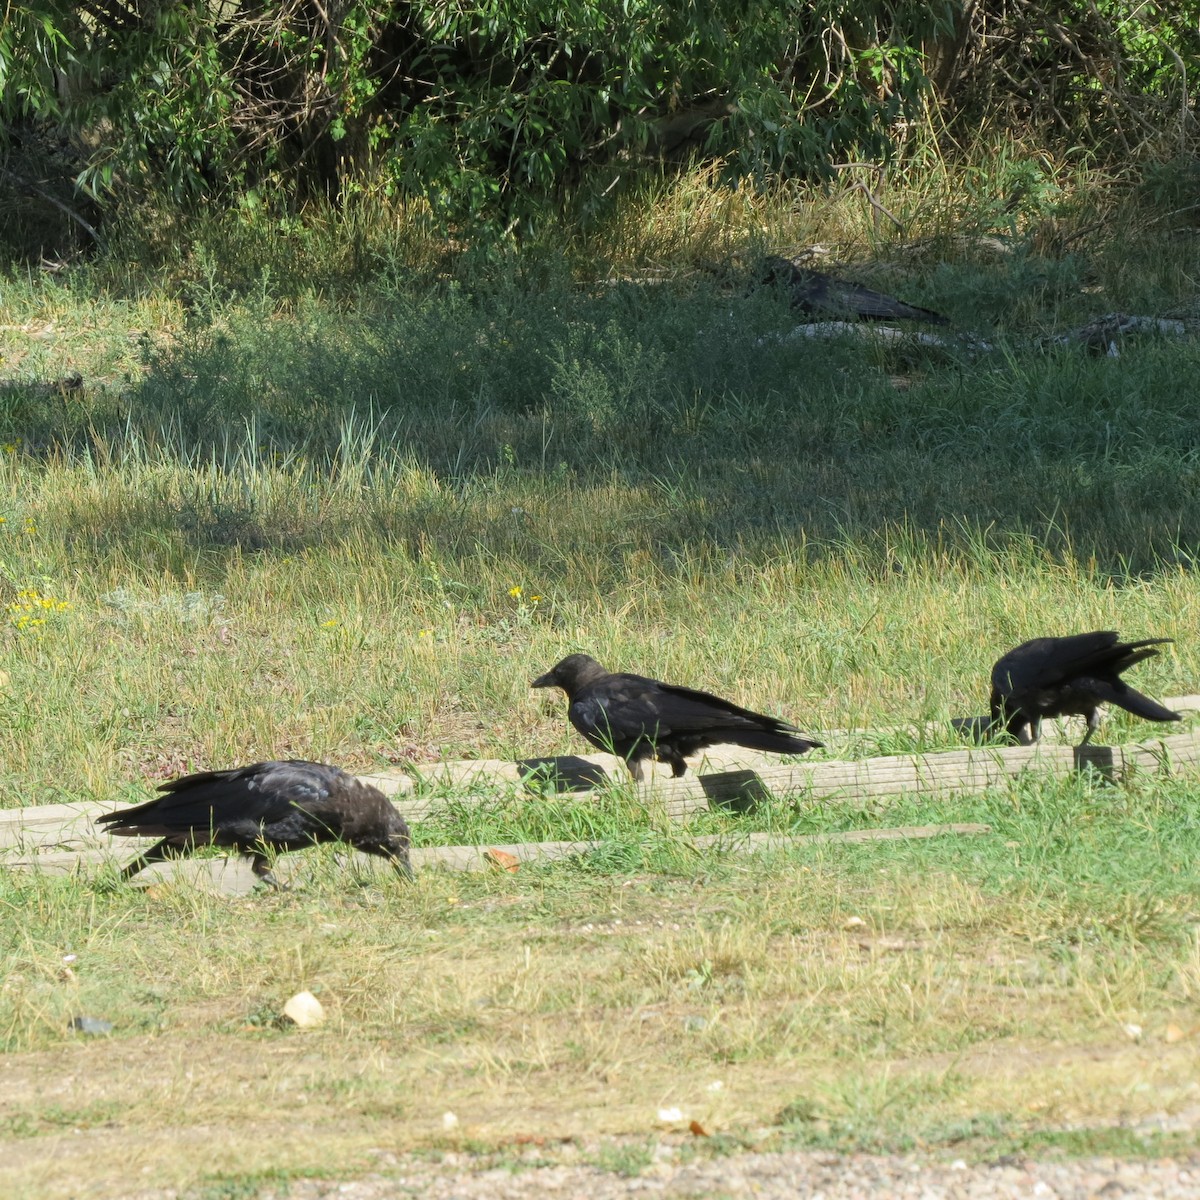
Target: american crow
1069	676
826	295
266	806
640	718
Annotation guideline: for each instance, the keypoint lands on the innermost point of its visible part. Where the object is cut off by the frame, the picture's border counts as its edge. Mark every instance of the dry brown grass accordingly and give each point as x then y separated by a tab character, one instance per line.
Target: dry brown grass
556	1005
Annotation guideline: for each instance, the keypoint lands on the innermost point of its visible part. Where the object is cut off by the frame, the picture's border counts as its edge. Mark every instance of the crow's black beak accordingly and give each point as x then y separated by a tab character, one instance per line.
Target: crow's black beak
403	867
546	680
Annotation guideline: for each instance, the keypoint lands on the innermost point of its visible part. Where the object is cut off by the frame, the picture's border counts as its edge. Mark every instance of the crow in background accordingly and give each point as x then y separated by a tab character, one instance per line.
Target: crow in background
827	296
1069	676
639	718
275	806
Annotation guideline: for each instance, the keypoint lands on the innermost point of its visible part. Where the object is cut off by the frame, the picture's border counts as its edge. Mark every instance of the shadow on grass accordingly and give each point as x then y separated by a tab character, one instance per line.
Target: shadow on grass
562	773
656	421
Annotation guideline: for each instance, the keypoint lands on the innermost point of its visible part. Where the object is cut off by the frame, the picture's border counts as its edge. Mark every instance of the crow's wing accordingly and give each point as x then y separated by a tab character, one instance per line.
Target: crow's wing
256	795
1133	653
1046	662
616	710
816	292
627	707
840	297
691	704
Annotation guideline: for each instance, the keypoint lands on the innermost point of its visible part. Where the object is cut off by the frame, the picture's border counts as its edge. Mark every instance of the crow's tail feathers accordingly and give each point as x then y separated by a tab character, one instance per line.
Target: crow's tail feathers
1141	706
776	743
1134	654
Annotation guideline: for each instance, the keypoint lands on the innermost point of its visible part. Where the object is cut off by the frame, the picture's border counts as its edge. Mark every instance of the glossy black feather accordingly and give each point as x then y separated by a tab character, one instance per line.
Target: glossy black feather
639	718
277	806
1069	676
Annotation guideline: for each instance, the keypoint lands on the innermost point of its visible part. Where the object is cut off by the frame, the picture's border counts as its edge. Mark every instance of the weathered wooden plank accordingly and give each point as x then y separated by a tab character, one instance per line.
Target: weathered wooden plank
51	824
574	770
742	774
970	770
857	782
232	875
35	815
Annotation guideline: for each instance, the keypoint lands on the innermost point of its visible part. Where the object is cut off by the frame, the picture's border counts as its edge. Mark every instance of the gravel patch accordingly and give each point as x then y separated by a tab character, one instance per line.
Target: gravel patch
771	1176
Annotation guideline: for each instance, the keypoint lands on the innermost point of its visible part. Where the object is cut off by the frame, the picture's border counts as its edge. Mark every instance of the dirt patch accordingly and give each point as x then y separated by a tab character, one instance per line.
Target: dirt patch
148	1117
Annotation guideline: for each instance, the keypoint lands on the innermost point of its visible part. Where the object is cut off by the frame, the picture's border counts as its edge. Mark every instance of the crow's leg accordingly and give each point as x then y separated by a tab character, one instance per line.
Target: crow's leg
675	761
637	768
164	850
1093	723
261	866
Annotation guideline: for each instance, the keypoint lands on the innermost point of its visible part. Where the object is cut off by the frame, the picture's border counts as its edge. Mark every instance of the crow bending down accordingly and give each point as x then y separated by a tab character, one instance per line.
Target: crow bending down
275	806
1069	676
639	718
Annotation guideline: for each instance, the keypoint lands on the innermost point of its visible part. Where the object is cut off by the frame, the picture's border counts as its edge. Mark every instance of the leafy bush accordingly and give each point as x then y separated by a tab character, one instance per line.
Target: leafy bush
499	111
491	109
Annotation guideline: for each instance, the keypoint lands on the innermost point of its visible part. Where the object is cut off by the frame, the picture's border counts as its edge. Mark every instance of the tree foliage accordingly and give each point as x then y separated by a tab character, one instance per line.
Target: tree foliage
1100	74
495	109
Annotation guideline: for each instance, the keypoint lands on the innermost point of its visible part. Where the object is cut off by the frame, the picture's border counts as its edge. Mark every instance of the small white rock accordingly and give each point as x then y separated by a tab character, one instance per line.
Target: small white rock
715	1086
449	1120
304	1010
853	923
1132	1032
670	1115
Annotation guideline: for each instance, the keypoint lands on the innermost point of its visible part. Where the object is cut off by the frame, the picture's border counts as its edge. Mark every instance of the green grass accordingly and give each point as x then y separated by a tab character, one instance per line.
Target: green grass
298	531
967	994
299	508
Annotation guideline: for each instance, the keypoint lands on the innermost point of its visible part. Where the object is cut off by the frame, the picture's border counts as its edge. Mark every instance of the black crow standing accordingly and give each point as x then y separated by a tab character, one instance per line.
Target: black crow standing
1069	676
276	806
639	718
825	295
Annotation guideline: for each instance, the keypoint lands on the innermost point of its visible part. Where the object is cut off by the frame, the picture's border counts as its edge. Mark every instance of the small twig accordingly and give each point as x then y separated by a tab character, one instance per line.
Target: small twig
1175	212
1185	116
21	181
873	200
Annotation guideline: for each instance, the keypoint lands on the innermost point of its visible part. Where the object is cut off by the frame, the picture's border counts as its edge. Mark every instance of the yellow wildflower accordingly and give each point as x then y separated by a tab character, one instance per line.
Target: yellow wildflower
29	609
516	593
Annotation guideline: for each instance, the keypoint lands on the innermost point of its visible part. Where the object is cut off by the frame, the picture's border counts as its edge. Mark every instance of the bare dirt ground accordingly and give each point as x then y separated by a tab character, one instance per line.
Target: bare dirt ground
764	1175
775	1177
205	1121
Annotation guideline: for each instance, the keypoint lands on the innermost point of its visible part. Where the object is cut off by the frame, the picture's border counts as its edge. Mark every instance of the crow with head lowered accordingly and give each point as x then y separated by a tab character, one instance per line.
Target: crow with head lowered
1069	676
262	808
639	718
